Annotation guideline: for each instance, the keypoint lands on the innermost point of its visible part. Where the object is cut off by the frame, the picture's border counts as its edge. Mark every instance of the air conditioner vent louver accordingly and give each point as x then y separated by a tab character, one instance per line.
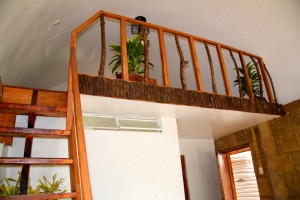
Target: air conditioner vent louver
128	123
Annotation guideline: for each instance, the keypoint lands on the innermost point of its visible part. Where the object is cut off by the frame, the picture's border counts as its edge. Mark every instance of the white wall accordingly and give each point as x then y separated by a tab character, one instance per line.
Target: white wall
202	170
135	165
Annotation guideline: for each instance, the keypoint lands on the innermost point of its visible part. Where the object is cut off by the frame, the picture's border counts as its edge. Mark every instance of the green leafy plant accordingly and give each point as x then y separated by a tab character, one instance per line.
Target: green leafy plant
51	187
135	55
254	80
10	187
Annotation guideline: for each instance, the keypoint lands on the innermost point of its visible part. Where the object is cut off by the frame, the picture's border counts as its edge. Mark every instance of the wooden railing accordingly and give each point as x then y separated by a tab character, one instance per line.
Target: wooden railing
73	88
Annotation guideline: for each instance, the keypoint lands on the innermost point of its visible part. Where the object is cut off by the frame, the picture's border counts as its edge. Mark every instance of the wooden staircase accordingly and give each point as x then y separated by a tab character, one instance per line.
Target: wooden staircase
36	102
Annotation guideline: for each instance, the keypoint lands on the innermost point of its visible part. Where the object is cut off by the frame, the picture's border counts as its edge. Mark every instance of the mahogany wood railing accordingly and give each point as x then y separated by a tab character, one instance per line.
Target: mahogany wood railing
73	88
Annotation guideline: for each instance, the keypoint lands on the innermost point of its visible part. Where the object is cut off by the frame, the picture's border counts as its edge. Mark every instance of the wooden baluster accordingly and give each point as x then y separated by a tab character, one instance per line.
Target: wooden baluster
246	76
212	70
196	64
124	49
103	47
266	80
163	57
223	68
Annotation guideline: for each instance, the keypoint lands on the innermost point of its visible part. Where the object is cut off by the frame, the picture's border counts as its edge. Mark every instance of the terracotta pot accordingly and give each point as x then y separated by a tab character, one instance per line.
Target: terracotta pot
136	78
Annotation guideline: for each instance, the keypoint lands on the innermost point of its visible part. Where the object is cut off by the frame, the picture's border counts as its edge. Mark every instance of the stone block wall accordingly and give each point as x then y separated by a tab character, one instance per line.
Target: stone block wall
275	149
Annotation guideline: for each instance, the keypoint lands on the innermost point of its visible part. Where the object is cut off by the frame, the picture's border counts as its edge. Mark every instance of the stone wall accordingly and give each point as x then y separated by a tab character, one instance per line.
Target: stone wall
275	148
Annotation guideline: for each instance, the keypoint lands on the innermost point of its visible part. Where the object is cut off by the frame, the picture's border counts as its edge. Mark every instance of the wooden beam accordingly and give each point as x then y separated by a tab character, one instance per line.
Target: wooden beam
124	49
164	61
223	69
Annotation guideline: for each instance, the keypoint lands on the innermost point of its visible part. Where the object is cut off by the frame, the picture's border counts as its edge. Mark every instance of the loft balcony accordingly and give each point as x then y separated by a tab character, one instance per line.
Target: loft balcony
188	70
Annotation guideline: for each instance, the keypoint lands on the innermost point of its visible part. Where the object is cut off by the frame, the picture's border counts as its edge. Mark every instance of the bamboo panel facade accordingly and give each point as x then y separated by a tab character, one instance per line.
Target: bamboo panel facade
117	88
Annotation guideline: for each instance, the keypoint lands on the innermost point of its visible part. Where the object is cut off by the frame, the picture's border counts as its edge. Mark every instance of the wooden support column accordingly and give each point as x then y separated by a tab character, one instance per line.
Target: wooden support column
124	49
266	80
246	76
224	72
196	64
163	54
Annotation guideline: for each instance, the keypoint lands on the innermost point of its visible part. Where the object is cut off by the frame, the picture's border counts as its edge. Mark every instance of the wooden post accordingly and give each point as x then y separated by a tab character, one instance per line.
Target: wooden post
223	68
84	169
146	54
163	57
124	49
196	64
183	64
212	71
266	81
103	47
246	76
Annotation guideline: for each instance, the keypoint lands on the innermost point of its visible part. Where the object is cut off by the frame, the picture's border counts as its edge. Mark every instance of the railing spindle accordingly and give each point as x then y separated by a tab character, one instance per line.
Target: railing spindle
246	76
266	80
163	58
196	64
223	68
123	49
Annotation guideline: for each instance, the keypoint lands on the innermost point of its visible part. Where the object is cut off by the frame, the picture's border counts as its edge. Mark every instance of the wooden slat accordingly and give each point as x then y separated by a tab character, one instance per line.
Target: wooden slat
35	161
196	64
223	69
39	110
164	61
22	132
16	95
246	75
83	163
123	49
266	80
41	196
49	98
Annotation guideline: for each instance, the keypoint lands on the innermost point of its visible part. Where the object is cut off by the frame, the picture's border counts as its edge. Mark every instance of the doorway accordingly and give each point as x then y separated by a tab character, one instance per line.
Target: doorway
237	175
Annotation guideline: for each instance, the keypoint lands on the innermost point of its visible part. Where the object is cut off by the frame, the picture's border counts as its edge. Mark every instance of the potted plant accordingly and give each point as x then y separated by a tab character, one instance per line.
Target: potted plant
254	80
135	58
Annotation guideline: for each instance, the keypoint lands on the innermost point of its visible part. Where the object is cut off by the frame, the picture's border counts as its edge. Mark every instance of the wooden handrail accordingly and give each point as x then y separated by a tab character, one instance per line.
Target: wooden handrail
83	164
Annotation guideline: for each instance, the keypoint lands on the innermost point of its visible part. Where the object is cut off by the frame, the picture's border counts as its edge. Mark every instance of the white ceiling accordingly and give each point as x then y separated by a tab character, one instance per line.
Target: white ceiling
192	122
35	34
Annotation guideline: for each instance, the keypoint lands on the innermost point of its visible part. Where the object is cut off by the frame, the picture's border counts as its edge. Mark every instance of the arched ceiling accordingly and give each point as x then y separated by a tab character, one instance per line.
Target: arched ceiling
35	34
